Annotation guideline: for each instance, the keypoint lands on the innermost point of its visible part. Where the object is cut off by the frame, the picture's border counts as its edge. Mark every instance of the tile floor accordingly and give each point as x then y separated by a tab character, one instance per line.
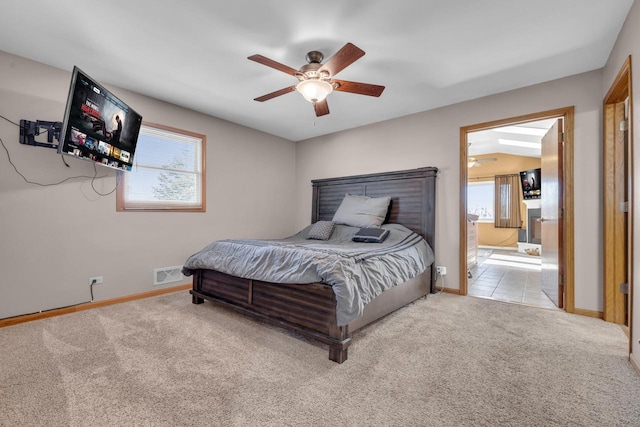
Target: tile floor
510	276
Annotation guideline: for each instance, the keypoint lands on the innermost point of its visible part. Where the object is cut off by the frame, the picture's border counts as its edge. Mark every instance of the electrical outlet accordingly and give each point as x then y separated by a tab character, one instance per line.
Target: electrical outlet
95	280
442	271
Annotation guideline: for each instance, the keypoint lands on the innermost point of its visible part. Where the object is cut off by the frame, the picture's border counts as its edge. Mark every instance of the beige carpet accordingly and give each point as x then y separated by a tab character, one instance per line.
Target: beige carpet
444	361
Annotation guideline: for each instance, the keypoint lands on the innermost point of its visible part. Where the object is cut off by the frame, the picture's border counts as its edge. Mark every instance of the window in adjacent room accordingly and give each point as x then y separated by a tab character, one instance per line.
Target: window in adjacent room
168	172
480	196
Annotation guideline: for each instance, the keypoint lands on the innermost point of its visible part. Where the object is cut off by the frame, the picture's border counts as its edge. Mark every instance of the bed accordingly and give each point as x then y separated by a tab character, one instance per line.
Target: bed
310	309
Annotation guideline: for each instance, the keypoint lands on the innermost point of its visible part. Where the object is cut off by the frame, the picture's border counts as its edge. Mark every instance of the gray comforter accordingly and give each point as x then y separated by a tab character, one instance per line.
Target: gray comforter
358	272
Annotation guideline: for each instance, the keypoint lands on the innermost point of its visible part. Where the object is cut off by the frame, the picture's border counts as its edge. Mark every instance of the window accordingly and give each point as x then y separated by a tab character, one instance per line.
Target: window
168	172
480	200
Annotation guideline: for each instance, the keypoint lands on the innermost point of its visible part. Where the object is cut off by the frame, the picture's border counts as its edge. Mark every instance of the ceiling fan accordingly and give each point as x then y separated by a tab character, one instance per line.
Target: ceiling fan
472	162
316	80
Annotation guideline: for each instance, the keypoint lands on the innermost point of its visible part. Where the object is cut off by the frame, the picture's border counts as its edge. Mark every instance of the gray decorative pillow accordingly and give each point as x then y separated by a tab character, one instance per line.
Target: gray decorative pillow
362	211
321	230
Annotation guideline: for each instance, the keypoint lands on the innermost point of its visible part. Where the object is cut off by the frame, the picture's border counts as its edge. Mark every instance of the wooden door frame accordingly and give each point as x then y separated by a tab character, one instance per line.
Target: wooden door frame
619	91
567	113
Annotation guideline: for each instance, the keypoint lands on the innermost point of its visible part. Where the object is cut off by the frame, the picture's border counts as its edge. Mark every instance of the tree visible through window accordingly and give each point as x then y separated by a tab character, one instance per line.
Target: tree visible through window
168	172
174	186
480	200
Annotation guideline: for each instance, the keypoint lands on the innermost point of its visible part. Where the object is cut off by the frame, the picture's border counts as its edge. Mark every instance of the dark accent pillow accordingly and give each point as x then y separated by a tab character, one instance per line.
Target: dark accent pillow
371	235
321	230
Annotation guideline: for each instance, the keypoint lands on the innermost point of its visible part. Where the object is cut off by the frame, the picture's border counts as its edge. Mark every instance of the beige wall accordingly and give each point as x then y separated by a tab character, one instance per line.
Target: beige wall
627	44
488	234
432	138
54	238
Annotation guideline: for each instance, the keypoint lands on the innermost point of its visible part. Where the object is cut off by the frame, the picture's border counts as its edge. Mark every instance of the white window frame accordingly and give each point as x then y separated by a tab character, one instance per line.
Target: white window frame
124	203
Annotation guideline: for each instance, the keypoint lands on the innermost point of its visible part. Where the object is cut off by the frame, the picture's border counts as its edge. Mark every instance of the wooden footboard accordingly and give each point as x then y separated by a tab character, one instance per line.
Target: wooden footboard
308	309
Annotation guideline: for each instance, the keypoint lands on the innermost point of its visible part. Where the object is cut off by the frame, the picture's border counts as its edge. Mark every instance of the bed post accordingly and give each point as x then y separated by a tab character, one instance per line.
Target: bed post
337	353
197	277
429	218
339	343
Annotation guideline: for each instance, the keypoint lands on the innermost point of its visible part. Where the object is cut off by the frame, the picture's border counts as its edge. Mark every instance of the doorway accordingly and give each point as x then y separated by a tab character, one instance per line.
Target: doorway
564	169
504	228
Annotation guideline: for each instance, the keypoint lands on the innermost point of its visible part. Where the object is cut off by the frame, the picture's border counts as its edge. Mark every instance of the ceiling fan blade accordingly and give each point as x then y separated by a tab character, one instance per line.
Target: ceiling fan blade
322	108
472	162
359	88
276	93
273	64
346	56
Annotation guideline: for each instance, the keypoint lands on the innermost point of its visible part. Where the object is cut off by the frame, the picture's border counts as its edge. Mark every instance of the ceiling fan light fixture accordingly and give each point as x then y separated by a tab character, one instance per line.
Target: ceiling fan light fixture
314	78
314	90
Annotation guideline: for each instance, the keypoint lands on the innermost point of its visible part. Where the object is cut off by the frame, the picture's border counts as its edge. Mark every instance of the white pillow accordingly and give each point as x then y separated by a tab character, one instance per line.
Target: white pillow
362	211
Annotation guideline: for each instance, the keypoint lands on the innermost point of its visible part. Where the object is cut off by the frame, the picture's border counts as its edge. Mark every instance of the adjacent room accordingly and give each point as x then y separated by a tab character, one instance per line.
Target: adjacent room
348	213
504	203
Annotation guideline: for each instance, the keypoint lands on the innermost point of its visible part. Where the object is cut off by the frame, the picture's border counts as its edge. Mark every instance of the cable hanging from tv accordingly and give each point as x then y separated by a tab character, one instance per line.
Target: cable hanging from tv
53	129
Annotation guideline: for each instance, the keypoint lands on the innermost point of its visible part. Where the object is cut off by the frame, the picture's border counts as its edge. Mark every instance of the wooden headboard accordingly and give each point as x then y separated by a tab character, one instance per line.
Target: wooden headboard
413	197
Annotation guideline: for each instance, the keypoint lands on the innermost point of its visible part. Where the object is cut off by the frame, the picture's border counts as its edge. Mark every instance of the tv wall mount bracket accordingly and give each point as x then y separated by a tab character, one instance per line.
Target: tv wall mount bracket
29	130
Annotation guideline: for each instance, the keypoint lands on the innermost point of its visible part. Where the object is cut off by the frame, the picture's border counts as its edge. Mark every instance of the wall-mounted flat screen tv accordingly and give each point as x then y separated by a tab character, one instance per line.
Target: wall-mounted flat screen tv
531	183
97	126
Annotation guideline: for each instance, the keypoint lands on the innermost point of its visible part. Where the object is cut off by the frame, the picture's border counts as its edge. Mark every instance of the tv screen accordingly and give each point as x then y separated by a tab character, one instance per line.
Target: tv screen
98	126
531	183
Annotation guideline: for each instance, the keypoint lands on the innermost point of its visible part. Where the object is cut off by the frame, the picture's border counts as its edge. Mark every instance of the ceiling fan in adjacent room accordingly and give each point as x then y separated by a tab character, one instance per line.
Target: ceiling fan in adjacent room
316	80
472	162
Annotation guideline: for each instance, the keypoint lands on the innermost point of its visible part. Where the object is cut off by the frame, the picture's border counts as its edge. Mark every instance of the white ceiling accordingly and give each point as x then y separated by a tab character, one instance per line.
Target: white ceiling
489	141
428	53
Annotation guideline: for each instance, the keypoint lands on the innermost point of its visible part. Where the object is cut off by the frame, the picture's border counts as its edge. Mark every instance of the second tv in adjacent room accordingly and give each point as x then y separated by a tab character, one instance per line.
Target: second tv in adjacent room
530	180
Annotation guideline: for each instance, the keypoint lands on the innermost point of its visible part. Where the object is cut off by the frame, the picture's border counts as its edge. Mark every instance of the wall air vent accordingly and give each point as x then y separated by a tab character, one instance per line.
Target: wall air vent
162	276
